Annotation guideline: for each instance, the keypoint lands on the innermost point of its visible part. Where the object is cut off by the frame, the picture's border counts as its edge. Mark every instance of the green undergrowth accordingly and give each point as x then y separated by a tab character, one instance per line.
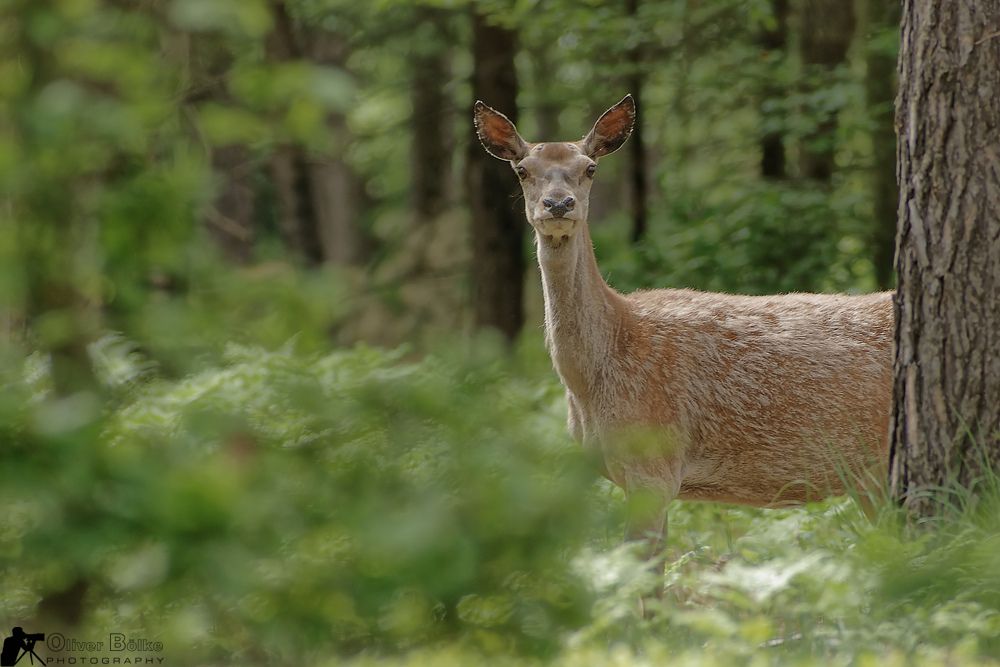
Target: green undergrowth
366	507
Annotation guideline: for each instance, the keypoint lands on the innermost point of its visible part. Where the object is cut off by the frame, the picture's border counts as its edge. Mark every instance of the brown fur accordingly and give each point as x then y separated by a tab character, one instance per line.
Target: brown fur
755	400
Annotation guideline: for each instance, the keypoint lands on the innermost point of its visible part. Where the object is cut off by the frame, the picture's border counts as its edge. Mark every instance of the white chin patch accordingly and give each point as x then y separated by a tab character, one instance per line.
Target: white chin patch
557	227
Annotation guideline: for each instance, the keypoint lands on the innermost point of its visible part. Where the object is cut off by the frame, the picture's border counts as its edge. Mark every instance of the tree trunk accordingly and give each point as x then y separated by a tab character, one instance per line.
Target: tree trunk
946	396
296	218
548	102
880	84
827	29
637	147
431	150
336	191
774	42
230	217
319	197
498	223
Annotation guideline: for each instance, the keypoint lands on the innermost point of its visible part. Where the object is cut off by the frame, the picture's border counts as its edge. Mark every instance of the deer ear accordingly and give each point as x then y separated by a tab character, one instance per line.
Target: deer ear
498	135
611	130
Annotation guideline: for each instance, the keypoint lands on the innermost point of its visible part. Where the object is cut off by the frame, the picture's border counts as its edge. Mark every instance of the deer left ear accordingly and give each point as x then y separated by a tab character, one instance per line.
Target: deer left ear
498	135
611	130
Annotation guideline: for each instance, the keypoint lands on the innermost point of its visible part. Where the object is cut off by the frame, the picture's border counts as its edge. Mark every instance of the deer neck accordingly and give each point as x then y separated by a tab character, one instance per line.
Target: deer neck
581	312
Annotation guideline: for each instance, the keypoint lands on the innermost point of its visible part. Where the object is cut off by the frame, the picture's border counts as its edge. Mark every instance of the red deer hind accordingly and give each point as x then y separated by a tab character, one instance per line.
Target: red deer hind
754	400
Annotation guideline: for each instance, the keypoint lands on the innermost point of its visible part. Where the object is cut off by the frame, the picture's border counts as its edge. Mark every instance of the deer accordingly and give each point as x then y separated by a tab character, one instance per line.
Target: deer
763	401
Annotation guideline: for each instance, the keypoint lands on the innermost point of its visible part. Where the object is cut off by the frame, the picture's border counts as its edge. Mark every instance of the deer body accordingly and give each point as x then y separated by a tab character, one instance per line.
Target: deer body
754	400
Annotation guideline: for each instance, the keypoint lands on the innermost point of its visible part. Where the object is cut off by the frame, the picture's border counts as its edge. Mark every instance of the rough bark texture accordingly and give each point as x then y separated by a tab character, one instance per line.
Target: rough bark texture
880	84
498	224
774	42
827	29
946	394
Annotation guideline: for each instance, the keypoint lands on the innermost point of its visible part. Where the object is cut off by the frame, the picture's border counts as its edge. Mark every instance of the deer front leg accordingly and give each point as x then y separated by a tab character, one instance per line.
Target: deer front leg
646	520
649	489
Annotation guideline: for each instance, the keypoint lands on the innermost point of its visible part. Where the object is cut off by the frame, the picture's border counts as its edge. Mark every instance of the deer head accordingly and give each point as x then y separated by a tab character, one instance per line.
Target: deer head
555	177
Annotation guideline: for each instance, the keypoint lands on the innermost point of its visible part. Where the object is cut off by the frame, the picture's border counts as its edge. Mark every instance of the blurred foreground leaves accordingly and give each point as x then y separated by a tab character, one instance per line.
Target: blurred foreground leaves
339	501
279	506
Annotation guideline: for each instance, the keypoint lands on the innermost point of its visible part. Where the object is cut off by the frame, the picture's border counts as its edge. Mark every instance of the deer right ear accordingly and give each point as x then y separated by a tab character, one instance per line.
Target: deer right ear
498	135
611	130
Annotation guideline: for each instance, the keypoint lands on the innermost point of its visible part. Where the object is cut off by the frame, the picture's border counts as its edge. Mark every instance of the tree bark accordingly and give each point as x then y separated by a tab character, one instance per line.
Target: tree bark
946	396
880	85
498	223
827	29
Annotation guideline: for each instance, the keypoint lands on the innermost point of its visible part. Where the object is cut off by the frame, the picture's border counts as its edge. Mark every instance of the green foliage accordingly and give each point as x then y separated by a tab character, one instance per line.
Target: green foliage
290	507
247	500
757	238
297	504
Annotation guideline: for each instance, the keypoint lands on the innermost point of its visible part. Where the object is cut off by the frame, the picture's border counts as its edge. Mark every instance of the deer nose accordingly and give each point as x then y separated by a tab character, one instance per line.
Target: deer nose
559	209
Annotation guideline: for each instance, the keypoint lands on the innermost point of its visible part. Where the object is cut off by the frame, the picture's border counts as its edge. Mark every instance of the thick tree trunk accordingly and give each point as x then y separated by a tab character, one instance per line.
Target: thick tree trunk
880	84
946	397
827	29
498	224
774	42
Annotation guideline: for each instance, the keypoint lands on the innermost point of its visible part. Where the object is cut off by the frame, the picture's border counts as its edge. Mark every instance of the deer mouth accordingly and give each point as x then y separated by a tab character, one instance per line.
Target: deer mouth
556	226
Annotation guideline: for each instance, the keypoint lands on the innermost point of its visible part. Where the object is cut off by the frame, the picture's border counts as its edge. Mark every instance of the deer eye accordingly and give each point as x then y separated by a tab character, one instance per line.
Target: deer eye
591	169
522	173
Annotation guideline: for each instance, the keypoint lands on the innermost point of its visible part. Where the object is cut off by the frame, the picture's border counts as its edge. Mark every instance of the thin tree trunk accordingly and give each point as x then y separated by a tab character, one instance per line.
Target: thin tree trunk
336	192
431	150
774	42
827	29
296	218
946	396
548	105
230	217
55	239
880	84
319	197
637	147
498	224
287	164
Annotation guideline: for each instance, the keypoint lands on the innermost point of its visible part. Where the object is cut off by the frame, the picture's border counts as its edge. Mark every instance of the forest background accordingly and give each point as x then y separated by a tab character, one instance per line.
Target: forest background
274	389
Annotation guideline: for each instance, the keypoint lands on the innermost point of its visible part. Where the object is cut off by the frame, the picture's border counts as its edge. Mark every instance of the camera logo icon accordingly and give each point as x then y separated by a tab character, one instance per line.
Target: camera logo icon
18	645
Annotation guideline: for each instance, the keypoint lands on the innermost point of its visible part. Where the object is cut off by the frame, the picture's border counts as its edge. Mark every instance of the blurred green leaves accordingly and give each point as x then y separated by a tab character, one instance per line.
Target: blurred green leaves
249	18
249	500
349	498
